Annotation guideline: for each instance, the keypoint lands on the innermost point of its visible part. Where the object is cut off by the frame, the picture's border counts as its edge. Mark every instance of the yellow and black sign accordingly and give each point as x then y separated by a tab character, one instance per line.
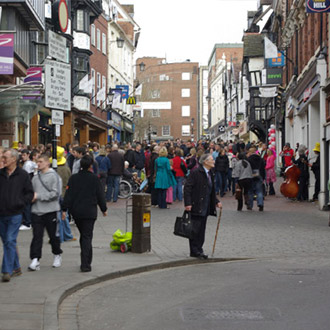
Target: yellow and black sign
131	100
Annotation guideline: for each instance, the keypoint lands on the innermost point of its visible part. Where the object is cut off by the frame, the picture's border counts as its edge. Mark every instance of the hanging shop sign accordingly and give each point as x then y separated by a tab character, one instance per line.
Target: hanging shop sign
317	6
6	53
124	91
131	100
278	61
272	76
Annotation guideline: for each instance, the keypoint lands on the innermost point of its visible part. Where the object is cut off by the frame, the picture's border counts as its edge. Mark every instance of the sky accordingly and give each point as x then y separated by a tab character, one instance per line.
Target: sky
188	29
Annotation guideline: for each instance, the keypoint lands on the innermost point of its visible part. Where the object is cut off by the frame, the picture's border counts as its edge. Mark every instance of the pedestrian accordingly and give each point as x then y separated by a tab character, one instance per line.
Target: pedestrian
64	172
221	168
15	193
104	165
234	173
243	171
139	159
288	156
302	164
83	195
47	187
257	166
179	175
316	170
200	199
164	177
152	175
114	174
270	171
78	153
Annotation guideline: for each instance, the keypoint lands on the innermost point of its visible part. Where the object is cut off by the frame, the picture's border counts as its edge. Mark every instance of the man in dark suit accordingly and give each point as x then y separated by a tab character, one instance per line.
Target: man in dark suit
201	201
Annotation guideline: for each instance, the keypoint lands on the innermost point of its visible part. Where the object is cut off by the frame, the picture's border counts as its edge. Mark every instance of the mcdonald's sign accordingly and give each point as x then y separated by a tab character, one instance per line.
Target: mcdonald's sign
131	100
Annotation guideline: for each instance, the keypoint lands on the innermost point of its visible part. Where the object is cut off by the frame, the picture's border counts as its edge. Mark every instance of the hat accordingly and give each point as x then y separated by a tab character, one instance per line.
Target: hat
15	145
317	147
60	156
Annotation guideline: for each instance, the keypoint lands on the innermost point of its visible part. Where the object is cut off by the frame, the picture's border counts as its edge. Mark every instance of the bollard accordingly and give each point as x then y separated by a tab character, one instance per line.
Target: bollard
141	223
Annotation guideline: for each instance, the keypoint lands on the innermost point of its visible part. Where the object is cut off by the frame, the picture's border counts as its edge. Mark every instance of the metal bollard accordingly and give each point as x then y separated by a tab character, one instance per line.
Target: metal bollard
141	223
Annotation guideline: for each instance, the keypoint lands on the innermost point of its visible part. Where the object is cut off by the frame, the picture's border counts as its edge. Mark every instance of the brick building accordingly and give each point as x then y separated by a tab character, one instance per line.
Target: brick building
169	100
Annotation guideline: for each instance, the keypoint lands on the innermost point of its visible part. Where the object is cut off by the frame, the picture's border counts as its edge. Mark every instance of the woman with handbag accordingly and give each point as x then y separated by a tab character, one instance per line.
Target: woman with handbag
164	177
201	201
244	173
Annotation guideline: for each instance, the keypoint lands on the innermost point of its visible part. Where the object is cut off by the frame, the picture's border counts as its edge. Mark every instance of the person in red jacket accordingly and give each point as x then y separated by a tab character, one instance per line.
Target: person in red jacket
179	175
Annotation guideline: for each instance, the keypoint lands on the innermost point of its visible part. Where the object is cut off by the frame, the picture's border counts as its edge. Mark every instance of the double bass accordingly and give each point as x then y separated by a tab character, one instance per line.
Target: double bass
290	188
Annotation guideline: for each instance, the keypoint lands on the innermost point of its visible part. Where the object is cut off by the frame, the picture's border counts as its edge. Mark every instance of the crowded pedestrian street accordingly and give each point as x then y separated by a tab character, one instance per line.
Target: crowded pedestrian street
286	229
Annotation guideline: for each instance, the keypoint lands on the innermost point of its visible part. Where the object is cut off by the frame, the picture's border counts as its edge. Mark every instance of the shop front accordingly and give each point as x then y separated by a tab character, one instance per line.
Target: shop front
115	123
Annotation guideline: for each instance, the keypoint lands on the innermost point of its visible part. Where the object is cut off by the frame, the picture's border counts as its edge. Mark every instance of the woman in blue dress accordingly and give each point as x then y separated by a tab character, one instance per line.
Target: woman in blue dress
164	177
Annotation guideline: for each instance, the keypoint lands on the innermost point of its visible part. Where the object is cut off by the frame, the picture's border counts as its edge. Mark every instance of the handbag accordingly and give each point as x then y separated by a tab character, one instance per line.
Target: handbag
184	226
183	168
238	192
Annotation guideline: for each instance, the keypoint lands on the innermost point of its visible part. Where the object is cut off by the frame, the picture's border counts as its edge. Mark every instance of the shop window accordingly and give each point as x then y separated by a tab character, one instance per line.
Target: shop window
185	130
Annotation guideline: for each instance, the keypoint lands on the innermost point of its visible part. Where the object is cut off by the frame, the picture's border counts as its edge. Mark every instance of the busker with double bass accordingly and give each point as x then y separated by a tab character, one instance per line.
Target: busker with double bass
201	201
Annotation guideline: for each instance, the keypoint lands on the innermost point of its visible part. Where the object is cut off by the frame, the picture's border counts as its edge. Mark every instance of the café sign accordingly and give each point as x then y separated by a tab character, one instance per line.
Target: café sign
317	6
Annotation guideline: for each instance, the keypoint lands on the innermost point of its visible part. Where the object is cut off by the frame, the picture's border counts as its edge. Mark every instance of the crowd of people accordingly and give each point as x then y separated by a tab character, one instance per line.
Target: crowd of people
33	195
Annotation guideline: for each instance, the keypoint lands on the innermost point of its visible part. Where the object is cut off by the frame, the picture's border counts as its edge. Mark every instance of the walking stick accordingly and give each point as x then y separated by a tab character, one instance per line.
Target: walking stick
216	232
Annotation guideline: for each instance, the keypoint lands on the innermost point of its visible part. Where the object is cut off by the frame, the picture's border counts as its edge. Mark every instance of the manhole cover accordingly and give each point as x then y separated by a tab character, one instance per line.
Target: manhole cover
294	271
194	314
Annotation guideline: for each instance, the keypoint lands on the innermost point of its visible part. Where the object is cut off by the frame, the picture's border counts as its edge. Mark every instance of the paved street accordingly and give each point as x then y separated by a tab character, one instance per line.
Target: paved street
284	230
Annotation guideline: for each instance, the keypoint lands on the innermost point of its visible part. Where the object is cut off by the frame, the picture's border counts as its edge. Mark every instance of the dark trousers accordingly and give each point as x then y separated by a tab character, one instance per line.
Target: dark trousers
27	215
154	194
162	198
86	227
316	188
196	243
303	189
245	185
39	223
103	179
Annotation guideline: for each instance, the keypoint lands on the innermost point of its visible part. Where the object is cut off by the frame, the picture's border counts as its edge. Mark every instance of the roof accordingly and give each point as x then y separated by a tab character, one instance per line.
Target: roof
253	45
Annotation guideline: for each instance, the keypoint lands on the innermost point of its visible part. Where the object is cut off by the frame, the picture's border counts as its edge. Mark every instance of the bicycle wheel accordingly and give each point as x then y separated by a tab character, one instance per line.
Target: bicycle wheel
125	189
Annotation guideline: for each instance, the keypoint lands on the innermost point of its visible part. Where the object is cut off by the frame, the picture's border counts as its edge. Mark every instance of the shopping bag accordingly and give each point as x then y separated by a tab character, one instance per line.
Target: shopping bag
184	226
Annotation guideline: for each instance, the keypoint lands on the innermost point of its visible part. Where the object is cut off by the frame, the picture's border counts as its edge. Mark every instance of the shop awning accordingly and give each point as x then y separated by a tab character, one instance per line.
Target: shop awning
20	102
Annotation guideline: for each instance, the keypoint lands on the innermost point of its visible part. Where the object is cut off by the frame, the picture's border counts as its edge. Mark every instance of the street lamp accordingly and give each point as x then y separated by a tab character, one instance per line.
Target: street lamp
119	41
192	127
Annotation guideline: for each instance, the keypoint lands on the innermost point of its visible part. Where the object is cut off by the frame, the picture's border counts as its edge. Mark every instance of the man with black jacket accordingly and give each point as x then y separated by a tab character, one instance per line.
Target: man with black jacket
15	193
139	159
201	201
84	193
258	175
114	174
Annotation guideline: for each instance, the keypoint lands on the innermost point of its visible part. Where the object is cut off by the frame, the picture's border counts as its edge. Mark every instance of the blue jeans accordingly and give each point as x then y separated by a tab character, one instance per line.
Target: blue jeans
9	227
256	189
217	182
64	228
113	187
177	190
223	183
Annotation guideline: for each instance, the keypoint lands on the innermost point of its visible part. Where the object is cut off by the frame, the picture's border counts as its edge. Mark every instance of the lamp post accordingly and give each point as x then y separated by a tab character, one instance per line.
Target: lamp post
120	42
192	128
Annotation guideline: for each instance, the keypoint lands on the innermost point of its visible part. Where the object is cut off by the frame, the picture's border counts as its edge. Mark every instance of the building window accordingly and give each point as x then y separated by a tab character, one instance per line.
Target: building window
104	44
166	130
185	111
185	130
185	92
155	94
81	21
186	76
98	85
155	113
98	39
93	34
104	84
93	87
163	77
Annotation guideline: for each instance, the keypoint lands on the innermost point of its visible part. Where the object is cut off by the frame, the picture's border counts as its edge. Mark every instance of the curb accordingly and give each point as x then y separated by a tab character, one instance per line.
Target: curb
56	297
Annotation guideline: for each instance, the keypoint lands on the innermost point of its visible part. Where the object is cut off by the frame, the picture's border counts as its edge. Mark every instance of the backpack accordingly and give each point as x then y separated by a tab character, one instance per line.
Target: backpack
183	168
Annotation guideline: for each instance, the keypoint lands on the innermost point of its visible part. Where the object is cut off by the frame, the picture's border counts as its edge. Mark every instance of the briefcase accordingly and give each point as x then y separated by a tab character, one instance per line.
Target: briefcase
184	226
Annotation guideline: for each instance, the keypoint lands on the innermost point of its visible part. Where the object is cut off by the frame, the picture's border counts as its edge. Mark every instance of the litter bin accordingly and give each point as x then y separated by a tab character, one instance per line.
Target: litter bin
141	223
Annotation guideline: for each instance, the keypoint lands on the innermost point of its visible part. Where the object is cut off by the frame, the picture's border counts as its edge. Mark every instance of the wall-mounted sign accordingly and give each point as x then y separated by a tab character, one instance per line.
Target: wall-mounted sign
131	100
57	85
33	74
6	53
317	6
124	91
278	61
272	76
57	47
57	117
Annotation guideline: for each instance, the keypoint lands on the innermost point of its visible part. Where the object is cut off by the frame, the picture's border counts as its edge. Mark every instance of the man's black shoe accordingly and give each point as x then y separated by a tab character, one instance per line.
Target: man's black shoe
261	208
199	255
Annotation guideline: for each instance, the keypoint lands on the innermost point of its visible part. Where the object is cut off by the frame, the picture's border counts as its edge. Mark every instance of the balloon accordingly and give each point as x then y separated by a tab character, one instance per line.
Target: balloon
269	129
272	131
273	135
272	126
272	139
273	143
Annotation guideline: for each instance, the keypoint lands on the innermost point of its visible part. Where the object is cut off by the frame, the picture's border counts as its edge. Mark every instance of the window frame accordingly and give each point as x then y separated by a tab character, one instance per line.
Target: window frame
182	130
98	39
93	35
184	75
169	130
185	108
104	44
93	86
185	91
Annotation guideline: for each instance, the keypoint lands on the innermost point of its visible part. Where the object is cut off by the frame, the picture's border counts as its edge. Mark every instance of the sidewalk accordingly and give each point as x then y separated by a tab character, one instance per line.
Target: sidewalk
283	229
